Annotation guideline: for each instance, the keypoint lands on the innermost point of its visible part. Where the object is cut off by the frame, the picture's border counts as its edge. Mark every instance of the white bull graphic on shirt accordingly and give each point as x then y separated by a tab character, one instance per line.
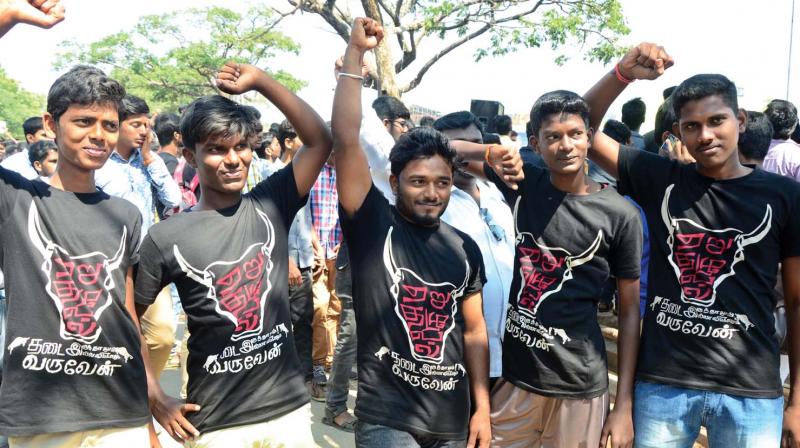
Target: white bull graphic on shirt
81	286
703	258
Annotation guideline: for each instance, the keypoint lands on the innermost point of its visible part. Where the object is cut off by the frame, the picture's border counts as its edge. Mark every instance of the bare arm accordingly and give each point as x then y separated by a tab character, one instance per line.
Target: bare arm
619	425
168	411
645	61
790	272
476	355
505	161
353	179
44	14
236	79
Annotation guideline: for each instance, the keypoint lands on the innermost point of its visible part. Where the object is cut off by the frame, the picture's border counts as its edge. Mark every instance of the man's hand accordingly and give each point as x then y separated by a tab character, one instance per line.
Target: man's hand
147	154
170	413
674	149
791	427
618	426
235	79
295	276
507	163
41	13
365	34
645	61
480	430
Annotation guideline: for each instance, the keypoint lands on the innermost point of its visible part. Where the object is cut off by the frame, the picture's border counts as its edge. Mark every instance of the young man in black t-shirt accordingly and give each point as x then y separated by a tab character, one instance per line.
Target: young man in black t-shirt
228	257
718	229
422	344
72	367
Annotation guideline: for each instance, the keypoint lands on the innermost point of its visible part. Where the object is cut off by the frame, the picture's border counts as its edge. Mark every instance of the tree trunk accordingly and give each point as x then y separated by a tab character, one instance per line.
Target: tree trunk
387	78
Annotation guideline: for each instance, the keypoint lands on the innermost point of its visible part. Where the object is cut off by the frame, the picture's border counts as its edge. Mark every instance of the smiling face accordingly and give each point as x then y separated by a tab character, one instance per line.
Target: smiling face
221	163
563	142
85	135
710	130
423	190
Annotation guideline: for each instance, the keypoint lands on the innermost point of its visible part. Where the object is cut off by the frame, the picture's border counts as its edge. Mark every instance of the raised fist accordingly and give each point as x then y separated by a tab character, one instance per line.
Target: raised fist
645	61
41	13
235	79
366	34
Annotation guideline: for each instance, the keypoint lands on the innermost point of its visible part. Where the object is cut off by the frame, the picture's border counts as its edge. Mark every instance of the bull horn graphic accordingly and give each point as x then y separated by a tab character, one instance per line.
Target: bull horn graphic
760	231
665	216
518	235
202	277
270	243
574	262
37	236
391	266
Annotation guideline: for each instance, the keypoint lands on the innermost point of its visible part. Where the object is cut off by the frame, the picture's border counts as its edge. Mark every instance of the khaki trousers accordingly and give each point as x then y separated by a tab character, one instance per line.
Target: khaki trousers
158	327
292	430
98	438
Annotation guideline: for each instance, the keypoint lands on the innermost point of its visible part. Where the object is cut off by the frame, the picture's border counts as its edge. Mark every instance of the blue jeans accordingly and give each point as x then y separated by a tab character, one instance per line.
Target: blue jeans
379	436
666	416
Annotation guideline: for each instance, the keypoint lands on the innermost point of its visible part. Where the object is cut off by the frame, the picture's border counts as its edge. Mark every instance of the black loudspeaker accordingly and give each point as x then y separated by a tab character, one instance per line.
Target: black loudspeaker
486	111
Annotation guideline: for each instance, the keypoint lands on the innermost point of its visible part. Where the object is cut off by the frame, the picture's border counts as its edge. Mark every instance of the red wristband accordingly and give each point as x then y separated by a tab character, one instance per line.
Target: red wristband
486	155
621	78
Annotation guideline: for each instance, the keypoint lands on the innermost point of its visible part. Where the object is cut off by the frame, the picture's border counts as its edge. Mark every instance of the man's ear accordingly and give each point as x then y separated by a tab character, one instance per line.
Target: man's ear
393	182
741	115
37	165
387	123
676	129
534	142
189	155
50	125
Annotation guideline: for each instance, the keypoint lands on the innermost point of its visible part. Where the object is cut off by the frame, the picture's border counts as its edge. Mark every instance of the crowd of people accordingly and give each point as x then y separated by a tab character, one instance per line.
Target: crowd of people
459	272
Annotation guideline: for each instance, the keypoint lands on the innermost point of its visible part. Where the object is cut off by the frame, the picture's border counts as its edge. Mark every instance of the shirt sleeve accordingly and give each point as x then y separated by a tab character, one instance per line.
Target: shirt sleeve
476	268
365	226
280	189
790	236
167	189
10	185
625	258
135	239
644	176
152	275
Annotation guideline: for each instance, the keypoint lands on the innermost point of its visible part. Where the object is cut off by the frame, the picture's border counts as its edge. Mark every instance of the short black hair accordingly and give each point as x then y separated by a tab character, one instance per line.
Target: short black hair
633	113
215	116
420	143
390	108
668	91
426	121
501	124
490	138
132	105
702	86
558	102
165	126
83	85
529	128
38	151
754	141
617	130
458	120
796	134
665	118
32	125
285	131
783	116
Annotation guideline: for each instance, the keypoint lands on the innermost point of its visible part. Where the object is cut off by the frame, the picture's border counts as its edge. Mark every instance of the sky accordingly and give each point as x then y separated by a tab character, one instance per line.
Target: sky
746	40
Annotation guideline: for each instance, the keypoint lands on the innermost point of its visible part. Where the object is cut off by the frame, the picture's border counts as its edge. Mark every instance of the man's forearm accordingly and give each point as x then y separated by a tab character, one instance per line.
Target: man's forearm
793	324
601	96
628	340
310	127
476	354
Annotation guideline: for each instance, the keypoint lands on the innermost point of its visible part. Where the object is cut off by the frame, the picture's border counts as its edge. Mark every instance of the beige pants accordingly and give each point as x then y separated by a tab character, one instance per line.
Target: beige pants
521	419
98	438
327	309
292	430
158	327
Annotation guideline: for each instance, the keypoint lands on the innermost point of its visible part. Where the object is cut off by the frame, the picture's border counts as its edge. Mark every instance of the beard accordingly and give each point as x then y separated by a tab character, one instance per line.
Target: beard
405	209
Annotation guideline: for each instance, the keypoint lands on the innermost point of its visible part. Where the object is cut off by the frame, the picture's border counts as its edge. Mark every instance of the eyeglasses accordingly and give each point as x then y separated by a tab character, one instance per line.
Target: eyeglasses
497	231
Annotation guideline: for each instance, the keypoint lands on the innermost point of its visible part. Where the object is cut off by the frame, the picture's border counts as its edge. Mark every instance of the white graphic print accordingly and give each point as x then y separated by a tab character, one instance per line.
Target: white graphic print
703	258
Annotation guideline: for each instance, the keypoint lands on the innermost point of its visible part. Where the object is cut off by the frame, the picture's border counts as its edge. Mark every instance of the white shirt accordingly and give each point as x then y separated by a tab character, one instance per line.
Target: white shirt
20	163
377	144
464	214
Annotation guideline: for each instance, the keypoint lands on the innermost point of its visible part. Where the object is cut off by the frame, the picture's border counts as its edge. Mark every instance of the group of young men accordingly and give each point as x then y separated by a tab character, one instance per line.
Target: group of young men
456	345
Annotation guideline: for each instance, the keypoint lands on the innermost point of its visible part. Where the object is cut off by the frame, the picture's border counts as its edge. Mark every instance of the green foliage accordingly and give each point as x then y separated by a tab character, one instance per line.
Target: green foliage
172	58
17	105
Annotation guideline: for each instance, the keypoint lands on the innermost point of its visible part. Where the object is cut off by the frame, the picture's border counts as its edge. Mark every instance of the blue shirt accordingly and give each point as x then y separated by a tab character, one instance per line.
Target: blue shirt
132	180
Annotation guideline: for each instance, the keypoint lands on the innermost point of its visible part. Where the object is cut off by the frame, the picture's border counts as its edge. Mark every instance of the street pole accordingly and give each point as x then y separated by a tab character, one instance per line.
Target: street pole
789	65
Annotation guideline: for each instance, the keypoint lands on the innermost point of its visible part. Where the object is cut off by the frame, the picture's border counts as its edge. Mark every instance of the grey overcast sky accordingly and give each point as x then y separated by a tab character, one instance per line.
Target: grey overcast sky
746	40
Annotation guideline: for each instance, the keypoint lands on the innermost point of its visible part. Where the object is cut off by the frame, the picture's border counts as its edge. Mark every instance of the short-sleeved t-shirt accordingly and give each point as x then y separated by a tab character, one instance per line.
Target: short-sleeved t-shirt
409	283
715	246
231	269
73	359
566	247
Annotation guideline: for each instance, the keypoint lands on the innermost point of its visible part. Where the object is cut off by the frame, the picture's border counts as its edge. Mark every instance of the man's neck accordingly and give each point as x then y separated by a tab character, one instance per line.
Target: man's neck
70	178
287	156
469	186
577	183
732	169
123	152
215	200
171	149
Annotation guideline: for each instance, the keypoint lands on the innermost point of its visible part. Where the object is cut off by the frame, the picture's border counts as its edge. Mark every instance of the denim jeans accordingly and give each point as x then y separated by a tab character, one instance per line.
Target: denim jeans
344	355
379	436
666	416
301	304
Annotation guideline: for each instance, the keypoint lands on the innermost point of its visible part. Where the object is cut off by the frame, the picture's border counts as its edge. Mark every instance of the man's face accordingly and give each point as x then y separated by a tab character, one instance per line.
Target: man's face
423	190
86	135
222	163
37	136
710	130
47	167
563	142
292	145
133	131
461	176
397	127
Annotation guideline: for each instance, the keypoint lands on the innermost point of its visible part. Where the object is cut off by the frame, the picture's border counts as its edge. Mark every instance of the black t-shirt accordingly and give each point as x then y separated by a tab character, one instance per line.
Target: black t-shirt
72	360
409	283
566	247
714	253
231	269
171	162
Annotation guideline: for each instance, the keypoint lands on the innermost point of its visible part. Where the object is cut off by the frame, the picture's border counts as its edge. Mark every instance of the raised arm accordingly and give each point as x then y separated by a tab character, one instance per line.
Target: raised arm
645	61
506	162
236	79
353	180
41	13
167	190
